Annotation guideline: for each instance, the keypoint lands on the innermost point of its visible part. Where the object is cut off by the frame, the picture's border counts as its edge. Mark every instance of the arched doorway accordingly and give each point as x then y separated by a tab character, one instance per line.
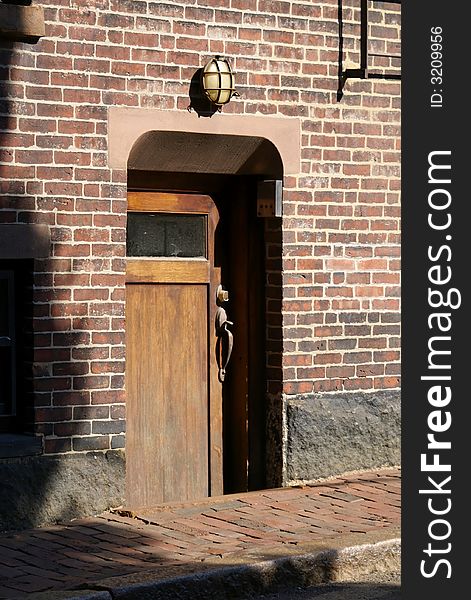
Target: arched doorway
192	227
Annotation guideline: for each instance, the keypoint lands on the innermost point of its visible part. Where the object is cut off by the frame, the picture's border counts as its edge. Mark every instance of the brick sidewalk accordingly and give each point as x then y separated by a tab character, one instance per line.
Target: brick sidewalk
186	537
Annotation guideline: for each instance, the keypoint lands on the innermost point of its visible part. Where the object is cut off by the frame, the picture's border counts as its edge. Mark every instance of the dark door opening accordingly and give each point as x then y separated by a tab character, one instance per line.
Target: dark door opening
244	415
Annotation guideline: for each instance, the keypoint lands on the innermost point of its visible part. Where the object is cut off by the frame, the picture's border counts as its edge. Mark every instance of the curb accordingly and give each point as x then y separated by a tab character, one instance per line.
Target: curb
350	563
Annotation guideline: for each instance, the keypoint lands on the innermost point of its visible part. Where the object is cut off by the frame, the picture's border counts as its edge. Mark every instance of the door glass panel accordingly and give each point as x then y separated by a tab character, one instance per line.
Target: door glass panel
163	234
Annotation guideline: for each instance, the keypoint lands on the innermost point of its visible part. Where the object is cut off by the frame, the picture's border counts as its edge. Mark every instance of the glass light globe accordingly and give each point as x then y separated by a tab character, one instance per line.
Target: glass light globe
218	81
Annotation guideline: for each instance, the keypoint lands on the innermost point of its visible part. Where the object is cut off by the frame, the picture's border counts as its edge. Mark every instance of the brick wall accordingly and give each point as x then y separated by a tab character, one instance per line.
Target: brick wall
340	228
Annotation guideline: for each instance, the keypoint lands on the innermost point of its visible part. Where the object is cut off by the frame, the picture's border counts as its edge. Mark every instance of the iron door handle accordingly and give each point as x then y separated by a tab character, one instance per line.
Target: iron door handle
223	332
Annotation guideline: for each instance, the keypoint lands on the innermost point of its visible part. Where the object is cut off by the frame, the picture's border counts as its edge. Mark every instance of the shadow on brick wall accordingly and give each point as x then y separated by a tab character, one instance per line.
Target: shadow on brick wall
36	489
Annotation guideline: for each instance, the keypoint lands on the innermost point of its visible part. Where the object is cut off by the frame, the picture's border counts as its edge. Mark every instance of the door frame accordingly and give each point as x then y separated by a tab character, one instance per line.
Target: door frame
204	271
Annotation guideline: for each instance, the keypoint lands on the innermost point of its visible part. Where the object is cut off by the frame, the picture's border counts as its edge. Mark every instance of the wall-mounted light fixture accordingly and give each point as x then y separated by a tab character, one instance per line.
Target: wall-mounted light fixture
270	198
217	81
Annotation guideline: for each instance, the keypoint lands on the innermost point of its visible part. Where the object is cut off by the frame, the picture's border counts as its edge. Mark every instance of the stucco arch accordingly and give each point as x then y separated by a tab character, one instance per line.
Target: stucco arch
127	125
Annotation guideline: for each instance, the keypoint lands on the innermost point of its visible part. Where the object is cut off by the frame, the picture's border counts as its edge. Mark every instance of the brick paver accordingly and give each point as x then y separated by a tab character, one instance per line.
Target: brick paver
87	550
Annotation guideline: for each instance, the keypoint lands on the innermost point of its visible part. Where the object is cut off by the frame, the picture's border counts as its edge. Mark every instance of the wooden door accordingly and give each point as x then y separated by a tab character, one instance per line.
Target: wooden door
173	395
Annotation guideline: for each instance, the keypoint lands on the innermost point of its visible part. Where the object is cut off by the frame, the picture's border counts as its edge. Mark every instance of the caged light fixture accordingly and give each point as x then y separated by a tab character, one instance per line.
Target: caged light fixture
217	81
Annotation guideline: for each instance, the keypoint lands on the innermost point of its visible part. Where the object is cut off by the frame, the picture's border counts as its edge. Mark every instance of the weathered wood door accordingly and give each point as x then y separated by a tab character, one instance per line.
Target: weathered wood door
173	394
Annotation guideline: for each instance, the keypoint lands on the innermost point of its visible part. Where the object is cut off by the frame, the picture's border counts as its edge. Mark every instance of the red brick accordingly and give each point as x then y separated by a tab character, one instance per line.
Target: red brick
57	445
50	415
70	398
387	382
107	367
91	382
101	442
107	397
91	412
72	428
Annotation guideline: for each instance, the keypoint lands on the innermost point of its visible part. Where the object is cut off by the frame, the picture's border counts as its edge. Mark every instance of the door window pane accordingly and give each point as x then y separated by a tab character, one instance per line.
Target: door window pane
166	235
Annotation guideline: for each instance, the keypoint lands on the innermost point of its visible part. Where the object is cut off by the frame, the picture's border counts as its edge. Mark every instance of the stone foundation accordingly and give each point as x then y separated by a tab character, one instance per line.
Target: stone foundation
331	434
41	490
